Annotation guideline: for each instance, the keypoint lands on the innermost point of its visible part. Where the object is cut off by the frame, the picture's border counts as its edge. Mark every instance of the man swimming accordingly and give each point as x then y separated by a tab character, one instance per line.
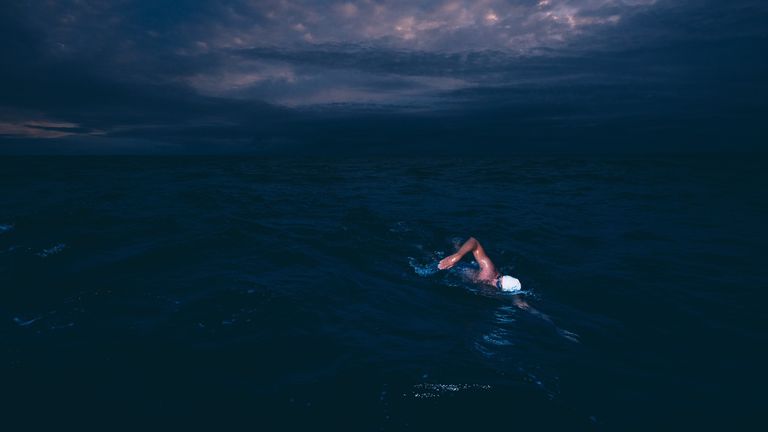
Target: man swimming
488	273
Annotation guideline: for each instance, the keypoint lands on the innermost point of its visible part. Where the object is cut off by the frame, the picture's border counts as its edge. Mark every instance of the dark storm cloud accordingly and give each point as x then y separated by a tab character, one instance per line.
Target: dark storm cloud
382	75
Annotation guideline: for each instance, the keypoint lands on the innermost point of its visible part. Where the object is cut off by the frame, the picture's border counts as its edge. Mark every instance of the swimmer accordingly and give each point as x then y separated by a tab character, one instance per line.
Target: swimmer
488	273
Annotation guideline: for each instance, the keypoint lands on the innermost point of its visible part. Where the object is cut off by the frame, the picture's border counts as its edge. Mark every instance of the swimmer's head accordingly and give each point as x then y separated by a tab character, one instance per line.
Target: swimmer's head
508	283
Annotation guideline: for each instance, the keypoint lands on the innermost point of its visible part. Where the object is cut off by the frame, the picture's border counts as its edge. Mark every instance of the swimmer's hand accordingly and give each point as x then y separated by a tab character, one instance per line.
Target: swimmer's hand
448	262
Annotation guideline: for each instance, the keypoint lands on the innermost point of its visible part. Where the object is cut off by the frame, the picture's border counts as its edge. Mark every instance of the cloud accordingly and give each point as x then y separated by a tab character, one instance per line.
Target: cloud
43	129
447	25
272	73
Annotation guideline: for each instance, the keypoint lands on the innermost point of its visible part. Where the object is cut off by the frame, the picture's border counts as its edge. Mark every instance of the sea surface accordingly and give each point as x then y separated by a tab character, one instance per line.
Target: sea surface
297	294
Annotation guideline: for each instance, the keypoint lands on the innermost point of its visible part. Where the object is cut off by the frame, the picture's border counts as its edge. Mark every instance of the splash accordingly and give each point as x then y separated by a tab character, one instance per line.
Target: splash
423	269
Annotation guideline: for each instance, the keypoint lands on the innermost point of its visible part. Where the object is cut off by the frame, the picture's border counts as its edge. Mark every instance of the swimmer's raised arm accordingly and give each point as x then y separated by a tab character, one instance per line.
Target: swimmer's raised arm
451	260
471	245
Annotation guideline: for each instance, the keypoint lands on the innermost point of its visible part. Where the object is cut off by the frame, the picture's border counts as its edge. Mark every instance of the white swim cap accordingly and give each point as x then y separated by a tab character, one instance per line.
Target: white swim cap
508	283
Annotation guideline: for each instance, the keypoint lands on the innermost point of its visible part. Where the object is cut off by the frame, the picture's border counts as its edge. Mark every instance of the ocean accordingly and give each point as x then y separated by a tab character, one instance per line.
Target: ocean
286	294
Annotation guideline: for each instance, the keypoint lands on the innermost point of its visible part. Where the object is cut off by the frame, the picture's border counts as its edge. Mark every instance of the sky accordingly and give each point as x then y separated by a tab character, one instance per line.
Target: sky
374	77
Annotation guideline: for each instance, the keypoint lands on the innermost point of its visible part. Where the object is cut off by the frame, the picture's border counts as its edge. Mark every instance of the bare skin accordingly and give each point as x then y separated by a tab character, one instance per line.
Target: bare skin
487	274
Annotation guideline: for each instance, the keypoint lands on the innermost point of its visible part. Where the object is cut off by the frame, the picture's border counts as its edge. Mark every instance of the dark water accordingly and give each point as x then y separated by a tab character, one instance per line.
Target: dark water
285	294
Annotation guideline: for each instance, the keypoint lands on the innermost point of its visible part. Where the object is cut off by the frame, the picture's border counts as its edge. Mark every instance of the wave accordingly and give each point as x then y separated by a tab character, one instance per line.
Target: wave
51	250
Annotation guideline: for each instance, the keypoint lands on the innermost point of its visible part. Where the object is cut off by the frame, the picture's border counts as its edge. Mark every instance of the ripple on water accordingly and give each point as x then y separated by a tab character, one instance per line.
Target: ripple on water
499	337
51	250
48	321
23	322
505	315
